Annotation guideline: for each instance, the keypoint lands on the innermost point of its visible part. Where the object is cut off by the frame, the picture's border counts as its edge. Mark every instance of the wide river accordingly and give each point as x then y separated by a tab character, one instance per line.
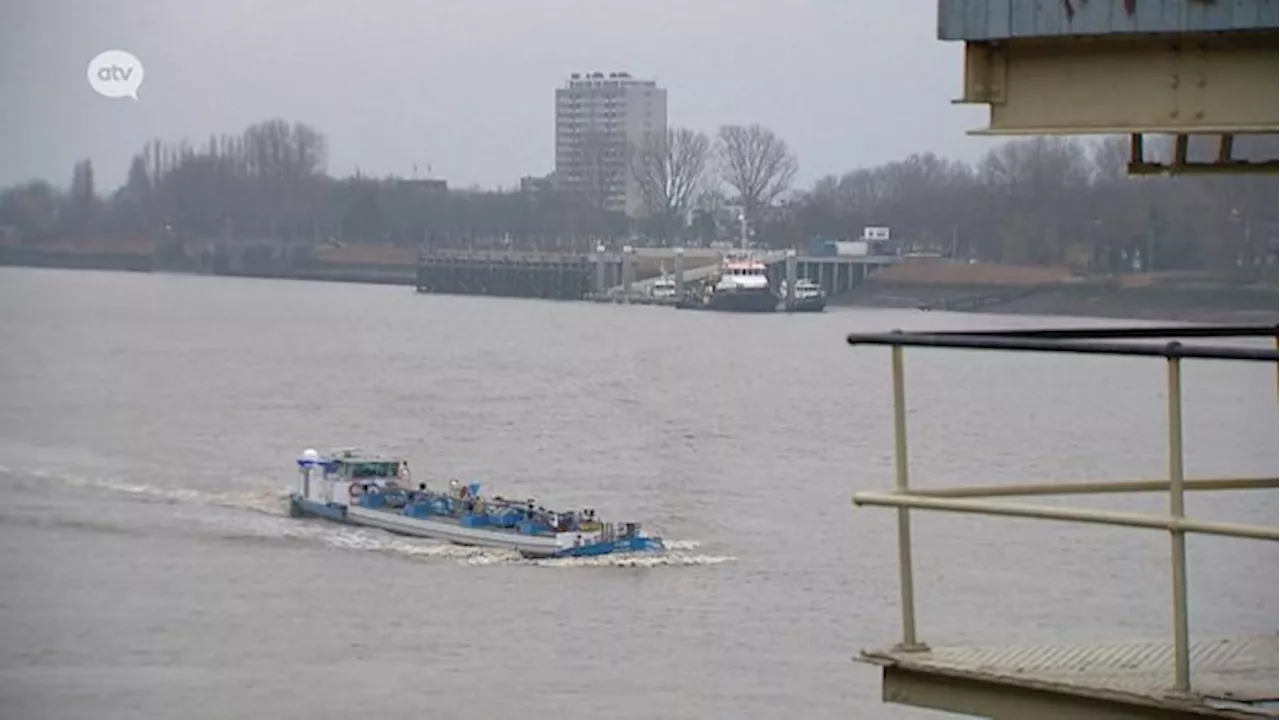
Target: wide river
149	423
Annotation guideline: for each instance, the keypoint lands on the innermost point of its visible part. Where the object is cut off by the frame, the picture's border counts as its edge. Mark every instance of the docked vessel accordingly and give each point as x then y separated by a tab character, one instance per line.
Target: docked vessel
663	288
808	296
741	284
371	491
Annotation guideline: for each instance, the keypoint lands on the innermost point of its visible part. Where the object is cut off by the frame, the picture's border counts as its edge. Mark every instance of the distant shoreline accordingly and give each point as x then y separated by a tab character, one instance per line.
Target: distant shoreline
1183	302
1203	304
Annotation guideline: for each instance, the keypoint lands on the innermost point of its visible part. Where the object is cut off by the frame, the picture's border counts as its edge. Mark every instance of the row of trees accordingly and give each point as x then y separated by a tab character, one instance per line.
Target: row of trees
1054	200
270	181
1038	201
1035	201
681	170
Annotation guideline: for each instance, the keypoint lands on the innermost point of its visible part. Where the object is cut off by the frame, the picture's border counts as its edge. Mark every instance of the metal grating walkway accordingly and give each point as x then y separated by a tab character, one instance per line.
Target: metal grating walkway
1232	676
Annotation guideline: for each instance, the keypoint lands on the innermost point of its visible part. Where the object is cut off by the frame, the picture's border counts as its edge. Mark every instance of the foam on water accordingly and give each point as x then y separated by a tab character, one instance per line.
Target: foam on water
275	505
645	560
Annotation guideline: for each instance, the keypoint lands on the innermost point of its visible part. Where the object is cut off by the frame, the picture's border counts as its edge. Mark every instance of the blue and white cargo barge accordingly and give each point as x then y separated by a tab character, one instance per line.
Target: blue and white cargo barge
371	491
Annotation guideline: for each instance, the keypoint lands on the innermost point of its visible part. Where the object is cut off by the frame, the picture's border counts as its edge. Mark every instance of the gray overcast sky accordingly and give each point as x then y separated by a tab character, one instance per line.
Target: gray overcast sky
467	87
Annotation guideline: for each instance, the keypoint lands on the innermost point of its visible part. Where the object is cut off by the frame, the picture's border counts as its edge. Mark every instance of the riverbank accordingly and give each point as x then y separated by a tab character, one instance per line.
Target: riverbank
927	285
372	263
954	287
1208	305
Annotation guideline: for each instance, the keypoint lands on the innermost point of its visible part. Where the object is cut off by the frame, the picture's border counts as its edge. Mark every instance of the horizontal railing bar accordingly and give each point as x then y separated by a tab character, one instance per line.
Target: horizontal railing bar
1083	347
1082	515
1112	333
1095	488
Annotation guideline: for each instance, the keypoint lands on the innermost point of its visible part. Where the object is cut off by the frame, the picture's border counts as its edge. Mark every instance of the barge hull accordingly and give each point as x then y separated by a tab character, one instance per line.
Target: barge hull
530	546
733	302
743	302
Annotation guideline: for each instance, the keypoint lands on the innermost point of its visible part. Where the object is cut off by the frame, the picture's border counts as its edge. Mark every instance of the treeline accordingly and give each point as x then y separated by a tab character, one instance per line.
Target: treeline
1054	200
1033	201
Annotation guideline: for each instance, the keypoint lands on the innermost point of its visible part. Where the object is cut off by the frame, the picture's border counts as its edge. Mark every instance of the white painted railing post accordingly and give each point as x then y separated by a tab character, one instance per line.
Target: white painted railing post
906	577
1178	538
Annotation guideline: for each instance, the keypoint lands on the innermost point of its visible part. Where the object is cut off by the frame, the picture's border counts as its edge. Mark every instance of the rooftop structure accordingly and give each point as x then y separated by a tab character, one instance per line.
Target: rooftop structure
1134	67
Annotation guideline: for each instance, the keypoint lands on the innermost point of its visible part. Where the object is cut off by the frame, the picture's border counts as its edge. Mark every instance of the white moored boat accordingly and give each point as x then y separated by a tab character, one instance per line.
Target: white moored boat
740	284
808	296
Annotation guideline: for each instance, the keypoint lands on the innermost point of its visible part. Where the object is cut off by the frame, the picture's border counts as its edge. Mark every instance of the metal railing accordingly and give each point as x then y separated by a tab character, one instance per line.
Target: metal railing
1099	341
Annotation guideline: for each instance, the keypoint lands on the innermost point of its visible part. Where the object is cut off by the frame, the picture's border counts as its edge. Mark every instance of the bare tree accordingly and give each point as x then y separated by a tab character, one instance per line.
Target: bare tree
32	209
668	168
756	163
1037	184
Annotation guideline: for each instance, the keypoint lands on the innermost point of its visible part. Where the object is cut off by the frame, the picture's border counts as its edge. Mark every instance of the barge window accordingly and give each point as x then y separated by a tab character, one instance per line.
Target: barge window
375	469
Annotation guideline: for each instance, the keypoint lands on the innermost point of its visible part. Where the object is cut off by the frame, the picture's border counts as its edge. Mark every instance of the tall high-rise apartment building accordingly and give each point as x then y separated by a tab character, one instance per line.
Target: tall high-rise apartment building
599	118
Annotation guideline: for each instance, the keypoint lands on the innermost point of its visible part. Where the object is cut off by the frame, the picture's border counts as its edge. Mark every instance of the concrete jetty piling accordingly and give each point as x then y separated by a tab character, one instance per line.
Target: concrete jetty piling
790	299
628	270
678	270
602	276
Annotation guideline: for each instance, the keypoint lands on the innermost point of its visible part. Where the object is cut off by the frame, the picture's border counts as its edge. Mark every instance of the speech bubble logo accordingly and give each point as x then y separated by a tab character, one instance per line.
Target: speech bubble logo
116	74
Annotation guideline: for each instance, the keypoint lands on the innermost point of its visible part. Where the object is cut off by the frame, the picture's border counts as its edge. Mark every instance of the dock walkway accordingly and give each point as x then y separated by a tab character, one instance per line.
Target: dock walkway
836	273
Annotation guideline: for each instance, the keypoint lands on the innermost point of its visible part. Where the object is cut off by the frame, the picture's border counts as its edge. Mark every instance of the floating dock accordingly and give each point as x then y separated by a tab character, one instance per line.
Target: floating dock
1172	678
633	299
